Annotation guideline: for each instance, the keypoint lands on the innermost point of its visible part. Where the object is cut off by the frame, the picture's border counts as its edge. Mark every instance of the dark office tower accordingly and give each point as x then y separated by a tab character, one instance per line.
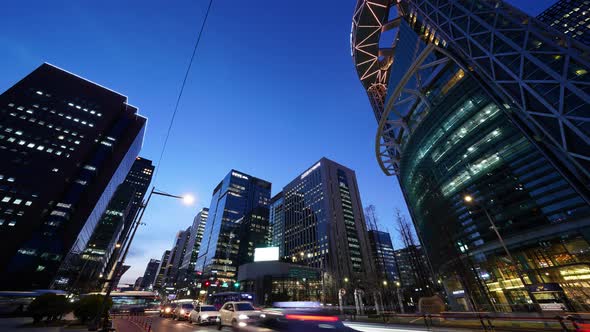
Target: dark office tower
139	177
66	144
194	241
383	255
176	257
84	271
572	17
150	274
477	98
324	225
159	283
239	203
277	223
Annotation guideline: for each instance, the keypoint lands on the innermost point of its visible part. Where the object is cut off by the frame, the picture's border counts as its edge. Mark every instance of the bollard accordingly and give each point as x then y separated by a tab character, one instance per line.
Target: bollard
562	323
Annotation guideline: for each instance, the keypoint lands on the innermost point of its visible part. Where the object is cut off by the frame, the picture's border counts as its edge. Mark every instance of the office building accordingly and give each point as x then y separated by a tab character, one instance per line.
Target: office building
66	144
150	274
138	283
86	269
159	283
382	252
117	276
277	223
499	122
572	17
194	242
324	226
176	256
239	206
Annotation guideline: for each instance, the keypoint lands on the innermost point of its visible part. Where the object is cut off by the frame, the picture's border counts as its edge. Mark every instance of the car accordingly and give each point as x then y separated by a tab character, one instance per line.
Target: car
289	320
204	314
183	311
167	310
238	315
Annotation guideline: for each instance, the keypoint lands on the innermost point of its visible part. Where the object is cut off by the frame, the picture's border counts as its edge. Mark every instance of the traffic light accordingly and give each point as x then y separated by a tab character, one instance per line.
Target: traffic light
236	284
207	283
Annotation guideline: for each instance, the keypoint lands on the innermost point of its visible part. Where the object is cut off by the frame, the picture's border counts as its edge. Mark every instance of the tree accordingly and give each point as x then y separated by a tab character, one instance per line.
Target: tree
88	307
48	305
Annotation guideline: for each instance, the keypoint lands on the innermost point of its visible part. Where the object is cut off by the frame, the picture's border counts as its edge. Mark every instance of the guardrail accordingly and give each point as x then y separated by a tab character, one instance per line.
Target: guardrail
492	322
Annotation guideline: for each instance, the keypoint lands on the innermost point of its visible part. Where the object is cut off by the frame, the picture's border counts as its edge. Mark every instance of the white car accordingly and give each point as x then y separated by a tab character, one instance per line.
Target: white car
238	315
204	314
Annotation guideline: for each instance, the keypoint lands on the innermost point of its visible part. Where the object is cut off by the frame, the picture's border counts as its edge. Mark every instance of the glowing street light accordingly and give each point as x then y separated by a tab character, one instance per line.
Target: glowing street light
468	198
345	279
384	282
188	199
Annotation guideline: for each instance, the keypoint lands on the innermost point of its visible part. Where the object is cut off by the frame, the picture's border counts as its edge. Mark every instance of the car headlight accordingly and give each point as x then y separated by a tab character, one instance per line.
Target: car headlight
167	310
262	315
205	316
182	311
242	316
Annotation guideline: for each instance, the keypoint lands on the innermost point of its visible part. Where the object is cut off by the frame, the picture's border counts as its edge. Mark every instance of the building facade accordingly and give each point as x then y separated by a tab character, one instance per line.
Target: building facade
67	143
237	222
324	226
160	278
194	242
277	223
459	116
150	274
177	253
572	17
382	252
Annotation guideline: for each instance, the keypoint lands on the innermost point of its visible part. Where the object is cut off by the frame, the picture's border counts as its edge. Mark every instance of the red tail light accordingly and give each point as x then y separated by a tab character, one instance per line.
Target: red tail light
313	318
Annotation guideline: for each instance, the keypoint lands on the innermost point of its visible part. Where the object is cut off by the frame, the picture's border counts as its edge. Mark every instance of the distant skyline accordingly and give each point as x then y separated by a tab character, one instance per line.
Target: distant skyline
271	91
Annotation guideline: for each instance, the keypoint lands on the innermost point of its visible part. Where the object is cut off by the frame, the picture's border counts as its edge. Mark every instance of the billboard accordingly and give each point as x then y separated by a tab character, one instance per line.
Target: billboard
266	254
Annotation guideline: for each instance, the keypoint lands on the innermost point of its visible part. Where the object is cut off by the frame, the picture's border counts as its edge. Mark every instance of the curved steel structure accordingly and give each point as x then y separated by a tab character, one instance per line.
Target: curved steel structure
538	72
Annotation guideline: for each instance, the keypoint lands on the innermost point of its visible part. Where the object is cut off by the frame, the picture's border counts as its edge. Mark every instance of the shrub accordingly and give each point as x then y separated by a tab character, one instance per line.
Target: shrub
88	307
48	305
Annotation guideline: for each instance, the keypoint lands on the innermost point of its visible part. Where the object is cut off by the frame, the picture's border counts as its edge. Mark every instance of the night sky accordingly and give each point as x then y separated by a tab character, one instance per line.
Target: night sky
272	90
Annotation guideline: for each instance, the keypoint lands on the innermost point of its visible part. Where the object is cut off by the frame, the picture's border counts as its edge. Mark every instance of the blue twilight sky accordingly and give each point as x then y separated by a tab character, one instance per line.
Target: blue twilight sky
271	91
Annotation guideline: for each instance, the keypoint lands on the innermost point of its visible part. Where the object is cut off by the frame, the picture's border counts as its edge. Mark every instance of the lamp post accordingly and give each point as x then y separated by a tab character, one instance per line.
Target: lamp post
470	200
186	199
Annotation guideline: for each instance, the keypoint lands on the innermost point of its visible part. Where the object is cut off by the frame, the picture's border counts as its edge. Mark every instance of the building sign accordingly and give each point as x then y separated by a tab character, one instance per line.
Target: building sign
239	176
266	254
303	273
313	168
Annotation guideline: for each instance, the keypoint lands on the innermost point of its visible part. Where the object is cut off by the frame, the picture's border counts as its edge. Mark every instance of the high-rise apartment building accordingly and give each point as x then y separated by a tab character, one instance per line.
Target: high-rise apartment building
237	222
324	225
160	278
478	99
572	17
150	274
66	144
382	252
277	223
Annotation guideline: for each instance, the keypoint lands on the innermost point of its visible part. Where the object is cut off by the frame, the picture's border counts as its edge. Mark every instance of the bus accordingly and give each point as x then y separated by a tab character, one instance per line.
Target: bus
219	299
138	301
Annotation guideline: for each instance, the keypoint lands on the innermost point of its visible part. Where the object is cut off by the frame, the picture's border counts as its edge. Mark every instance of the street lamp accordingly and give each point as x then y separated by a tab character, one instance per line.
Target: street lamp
186	199
470	200
346	279
384	282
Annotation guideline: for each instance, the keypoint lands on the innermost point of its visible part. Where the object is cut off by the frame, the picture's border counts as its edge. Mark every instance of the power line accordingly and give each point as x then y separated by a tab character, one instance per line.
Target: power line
181	91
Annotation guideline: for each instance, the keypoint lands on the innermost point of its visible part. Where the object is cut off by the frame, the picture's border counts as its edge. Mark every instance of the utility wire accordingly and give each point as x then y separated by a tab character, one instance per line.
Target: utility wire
159	164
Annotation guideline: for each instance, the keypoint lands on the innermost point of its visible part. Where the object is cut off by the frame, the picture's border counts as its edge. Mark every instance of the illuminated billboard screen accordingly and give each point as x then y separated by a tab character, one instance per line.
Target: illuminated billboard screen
266	254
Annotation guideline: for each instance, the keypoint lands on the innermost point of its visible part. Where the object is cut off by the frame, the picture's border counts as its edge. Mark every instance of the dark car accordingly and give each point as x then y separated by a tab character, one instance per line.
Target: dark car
295	321
167	310
183	311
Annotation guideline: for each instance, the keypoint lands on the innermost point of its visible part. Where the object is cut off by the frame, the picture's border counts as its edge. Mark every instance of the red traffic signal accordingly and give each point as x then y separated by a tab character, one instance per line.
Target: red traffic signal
207	283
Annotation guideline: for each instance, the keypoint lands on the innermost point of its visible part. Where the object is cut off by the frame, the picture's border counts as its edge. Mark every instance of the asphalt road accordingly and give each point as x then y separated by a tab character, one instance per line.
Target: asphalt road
141	324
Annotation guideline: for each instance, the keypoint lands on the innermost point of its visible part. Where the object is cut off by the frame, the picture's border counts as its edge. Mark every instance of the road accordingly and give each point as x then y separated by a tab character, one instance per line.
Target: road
142	323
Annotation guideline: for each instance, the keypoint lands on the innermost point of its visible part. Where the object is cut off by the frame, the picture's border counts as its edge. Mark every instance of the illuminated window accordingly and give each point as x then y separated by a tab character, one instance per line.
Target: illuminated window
28	203
30	145
55	170
6	199
17	201
12	223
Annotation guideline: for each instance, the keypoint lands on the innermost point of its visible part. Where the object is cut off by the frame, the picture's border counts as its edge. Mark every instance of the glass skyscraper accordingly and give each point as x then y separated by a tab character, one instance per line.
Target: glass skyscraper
277	223
65	144
237	223
382	252
324	226
462	116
